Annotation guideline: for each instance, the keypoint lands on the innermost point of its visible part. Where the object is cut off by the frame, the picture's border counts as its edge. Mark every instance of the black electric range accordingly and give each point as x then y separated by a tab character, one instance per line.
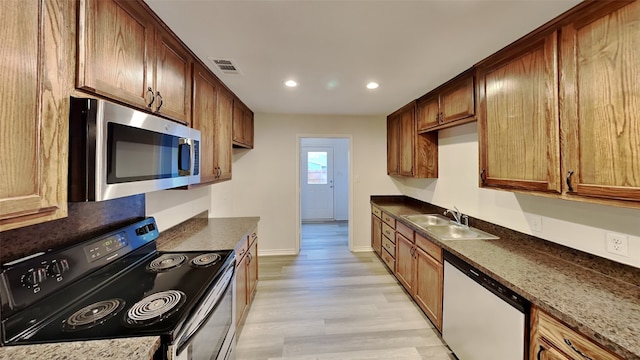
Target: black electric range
113	286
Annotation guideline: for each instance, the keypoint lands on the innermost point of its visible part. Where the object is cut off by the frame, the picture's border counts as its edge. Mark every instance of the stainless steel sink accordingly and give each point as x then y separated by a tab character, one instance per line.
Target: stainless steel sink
426	220
457	232
442	228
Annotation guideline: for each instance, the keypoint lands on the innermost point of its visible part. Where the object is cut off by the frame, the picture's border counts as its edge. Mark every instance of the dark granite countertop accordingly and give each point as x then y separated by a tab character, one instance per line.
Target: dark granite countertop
595	296
193	234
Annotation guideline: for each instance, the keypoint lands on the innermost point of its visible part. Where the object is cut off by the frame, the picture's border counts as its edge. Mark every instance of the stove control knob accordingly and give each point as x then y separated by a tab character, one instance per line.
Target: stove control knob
34	277
58	267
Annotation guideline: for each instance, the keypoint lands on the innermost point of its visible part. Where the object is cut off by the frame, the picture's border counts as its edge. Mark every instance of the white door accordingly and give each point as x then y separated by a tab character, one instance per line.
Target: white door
316	182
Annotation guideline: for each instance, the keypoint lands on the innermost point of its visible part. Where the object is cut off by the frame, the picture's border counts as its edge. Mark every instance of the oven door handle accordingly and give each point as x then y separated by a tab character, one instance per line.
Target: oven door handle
205	309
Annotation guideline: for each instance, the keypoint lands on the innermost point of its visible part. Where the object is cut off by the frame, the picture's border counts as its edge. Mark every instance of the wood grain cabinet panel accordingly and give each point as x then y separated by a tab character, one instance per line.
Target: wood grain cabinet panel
376	234
242	126
126	55
223	138
428	112
246	275
34	93
600	106
408	153
451	103
552	339
518	118
404	262
429	276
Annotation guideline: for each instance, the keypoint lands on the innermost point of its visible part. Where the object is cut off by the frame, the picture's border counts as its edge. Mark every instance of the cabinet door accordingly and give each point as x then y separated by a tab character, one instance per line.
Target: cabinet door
393	145
376	234
458	100
252	266
242	294
518	120
173	78
238	123
428	286
248	128
404	262
407	141
115	50
223	131
205	106
34	93
428	113
600	110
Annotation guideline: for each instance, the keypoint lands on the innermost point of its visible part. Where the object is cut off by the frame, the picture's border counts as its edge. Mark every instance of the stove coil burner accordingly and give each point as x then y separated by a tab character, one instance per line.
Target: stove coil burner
155	308
92	315
166	262
205	260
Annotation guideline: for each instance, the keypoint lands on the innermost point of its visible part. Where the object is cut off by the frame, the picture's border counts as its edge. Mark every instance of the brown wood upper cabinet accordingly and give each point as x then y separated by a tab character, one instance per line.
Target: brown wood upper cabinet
211	117
564	92
518	116
242	125
410	154
34	92
126	54
600	120
450	104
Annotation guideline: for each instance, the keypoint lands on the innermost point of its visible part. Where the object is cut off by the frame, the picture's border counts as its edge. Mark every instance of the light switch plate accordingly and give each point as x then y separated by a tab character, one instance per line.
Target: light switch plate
617	244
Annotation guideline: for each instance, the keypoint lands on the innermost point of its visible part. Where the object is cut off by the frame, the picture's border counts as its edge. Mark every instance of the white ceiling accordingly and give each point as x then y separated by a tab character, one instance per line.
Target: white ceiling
333	48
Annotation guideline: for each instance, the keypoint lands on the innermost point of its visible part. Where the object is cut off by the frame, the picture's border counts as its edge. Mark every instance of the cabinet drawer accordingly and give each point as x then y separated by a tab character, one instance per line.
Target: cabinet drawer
404	230
375	211
569	341
389	220
389	261
389	232
389	246
429	247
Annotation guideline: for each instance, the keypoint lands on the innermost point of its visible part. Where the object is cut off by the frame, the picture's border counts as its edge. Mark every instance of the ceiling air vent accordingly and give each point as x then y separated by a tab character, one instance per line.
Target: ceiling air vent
226	66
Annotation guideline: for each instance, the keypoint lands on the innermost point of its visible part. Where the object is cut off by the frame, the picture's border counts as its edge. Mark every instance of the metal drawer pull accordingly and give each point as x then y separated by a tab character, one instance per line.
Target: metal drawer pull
568	342
153	98
569	174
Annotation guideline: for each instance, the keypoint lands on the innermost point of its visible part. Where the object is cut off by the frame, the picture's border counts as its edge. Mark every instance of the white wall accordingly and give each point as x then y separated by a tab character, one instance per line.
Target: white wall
578	225
171	207
340	172
265	178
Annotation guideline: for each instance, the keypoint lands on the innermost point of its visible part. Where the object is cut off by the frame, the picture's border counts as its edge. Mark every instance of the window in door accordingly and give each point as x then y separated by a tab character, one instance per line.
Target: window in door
317	168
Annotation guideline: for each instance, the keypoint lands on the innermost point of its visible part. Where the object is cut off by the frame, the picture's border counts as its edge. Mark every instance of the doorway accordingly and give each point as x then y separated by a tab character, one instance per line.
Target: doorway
324	202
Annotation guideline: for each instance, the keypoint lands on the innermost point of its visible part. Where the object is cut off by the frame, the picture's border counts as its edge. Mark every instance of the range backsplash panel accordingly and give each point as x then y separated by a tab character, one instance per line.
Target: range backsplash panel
86	219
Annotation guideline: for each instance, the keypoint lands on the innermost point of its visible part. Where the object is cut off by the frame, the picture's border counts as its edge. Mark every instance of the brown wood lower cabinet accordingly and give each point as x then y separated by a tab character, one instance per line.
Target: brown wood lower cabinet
553	340
246	275
376	234
417	264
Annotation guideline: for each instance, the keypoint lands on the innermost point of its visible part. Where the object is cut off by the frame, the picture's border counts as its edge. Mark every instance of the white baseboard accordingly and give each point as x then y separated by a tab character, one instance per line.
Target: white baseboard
362	249
276	252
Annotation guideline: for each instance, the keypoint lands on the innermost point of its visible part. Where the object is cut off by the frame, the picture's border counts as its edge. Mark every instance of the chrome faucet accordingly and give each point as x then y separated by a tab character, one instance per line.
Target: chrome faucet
458	217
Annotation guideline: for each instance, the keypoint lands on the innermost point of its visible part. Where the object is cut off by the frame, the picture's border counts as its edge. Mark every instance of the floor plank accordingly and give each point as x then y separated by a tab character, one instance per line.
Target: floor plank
328	303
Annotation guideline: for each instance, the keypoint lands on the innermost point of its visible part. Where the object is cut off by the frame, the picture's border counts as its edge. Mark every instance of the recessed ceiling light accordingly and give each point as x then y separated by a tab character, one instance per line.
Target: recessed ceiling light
291	83
372	85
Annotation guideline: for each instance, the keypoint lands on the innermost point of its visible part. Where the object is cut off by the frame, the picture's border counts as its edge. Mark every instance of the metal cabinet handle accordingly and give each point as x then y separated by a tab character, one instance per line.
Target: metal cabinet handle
539	357
568	342
483	176
161	101
153	98
569	174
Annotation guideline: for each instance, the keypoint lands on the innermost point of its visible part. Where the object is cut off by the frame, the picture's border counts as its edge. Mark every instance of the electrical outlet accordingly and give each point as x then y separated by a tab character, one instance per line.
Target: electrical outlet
617	244
535	222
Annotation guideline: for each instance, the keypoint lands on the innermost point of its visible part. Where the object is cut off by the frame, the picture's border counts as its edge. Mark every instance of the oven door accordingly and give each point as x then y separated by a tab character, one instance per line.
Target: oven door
210	333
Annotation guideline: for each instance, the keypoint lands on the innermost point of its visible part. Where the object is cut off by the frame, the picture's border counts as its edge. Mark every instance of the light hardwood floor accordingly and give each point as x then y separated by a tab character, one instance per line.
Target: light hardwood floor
328	303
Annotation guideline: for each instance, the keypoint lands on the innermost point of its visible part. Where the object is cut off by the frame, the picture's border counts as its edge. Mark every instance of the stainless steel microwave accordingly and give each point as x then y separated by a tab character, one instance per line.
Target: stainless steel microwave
115	151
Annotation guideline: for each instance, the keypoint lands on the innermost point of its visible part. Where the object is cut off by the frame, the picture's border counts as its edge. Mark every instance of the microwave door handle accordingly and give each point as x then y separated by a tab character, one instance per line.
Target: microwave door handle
184	157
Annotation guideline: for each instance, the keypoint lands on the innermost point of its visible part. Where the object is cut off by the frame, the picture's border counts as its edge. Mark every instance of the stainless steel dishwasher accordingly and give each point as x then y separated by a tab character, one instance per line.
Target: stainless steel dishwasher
482	319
